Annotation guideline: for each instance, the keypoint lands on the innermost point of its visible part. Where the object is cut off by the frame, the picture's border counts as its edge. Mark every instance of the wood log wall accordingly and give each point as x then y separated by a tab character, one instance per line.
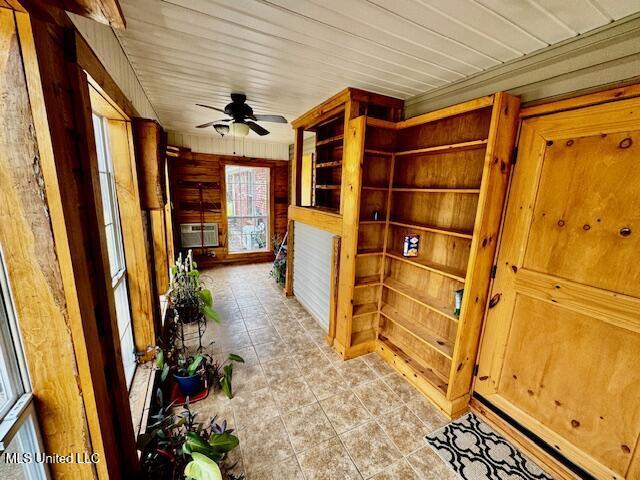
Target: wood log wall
190	169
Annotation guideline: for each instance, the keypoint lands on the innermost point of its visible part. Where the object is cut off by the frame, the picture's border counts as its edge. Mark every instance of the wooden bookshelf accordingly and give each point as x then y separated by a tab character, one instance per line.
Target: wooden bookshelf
443	179
442	176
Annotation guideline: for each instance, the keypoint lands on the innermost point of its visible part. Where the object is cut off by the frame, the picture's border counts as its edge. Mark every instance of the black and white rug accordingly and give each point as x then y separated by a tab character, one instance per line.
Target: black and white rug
476	452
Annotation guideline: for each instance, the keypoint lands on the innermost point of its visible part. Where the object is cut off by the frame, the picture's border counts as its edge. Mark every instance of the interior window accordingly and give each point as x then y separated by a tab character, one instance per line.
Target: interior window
247	208
20	443
115	246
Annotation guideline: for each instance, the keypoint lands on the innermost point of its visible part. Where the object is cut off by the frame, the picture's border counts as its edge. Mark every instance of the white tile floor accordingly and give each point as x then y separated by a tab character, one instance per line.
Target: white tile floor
300	411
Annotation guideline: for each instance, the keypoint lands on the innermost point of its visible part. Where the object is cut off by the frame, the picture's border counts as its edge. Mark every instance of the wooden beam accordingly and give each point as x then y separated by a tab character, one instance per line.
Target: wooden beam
151	163
102	11
333	288
60	100
328	221
30	209
296	167
288	279
350	204
605	96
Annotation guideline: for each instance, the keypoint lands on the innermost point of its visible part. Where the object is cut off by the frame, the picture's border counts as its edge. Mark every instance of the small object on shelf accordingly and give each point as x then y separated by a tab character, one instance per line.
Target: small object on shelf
458	302
376	215
411	244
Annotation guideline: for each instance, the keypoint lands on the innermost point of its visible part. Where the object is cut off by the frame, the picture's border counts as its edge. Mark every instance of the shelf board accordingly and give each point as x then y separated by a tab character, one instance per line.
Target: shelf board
368	252
453	147
364	309
337	163
426	373
427	301
328	187
375	188
422	333
380	153
371	222
429	228
436	190
330	140
367	281
431	266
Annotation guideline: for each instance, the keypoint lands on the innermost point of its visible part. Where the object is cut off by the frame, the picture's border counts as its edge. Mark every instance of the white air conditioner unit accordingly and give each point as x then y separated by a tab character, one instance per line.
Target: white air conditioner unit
191	235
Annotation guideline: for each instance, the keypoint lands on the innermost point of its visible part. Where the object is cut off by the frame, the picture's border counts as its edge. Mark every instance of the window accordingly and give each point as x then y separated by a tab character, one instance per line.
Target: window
19	435
113	231
247	208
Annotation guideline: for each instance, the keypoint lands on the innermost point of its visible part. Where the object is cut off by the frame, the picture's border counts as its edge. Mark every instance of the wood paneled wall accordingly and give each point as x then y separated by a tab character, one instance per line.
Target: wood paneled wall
190	169
83	401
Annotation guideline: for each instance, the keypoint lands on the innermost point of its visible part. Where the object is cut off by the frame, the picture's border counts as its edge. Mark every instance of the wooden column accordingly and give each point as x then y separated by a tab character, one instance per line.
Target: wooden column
159	234
61	109
36	278
152	178
350	205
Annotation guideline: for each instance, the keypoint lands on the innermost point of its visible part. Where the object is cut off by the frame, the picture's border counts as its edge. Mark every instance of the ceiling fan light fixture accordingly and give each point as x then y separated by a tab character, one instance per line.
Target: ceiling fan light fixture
221	129
239	129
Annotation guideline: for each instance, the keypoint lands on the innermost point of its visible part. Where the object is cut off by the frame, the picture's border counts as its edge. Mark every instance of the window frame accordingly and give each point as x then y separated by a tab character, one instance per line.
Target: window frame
119	277
251	192
21	413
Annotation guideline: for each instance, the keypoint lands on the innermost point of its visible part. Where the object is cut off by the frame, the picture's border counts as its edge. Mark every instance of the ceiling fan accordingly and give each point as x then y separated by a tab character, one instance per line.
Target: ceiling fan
242	118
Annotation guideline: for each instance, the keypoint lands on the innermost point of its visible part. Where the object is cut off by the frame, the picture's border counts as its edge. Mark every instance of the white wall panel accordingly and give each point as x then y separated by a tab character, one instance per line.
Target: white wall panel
213	143
312	270
107	48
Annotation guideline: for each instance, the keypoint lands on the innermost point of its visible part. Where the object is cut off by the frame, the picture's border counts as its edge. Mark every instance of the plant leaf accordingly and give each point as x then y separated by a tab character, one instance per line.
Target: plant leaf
165	372
160	359
207	298
235	358
195	443
225	384
223	442
211	313
193	366
202	468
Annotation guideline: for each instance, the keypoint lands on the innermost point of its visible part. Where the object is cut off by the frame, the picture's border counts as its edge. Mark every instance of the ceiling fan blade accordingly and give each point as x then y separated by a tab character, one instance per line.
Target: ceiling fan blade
271	118
205	125
212	108
257	128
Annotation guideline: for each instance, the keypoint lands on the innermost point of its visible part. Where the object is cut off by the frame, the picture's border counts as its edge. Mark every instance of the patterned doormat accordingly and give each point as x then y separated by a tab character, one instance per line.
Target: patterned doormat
476	452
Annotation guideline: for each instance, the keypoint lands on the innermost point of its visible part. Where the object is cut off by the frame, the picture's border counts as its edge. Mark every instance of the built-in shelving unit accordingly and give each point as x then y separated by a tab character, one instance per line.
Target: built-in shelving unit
441	177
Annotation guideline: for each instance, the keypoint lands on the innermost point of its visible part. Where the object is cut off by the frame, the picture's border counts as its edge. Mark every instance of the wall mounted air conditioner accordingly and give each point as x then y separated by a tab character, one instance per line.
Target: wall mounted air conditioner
191	235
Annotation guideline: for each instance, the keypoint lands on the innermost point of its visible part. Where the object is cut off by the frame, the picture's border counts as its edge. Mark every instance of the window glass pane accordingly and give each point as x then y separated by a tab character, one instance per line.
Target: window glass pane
247	190
11	385
106	199
18	460
110	232
98	134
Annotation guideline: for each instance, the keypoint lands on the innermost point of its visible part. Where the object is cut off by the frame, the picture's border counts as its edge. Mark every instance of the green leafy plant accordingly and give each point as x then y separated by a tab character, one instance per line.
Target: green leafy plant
215	373
176	445
187	295
279	269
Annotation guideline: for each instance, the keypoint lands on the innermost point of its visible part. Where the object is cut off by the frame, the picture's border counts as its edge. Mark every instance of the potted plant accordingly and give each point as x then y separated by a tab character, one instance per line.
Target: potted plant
193	372
189	374
176	446
187	295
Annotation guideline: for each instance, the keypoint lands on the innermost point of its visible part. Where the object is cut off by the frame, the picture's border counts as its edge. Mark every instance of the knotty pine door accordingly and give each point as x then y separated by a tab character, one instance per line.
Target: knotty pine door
560	351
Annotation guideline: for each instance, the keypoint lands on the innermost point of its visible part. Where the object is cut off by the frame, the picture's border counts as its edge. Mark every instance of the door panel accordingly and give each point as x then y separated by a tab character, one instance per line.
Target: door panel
560	351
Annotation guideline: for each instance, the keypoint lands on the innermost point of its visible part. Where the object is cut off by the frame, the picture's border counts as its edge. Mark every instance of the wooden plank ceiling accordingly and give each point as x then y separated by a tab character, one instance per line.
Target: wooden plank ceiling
288	55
